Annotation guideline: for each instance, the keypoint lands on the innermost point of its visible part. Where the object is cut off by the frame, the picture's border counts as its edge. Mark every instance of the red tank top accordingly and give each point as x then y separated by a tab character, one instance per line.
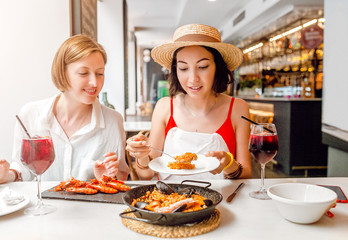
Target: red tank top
225	131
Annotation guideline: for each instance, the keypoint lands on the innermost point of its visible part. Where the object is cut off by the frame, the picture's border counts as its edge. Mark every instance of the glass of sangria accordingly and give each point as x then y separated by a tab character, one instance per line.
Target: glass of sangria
38	155
263	146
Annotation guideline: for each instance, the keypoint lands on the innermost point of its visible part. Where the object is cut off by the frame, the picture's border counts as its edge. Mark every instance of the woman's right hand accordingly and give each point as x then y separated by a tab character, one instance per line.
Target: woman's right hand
137	146
4	171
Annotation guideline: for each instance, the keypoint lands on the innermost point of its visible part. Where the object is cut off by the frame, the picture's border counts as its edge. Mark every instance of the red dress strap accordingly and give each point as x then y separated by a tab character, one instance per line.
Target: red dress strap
230	110
171	122
226	131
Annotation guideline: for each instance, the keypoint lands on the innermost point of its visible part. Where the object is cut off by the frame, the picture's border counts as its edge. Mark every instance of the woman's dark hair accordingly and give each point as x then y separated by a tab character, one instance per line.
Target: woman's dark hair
222	77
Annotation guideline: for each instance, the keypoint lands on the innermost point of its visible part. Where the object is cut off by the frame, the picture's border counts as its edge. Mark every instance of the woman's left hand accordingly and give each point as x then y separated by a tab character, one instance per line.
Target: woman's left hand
222	156
108	167
4	171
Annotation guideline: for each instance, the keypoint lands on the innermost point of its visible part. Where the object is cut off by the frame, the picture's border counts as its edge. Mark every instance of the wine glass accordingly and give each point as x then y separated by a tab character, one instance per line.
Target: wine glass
38	155
263	146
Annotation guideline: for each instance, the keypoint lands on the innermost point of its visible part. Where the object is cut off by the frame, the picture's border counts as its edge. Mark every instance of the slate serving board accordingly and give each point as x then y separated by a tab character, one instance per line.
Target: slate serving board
99	197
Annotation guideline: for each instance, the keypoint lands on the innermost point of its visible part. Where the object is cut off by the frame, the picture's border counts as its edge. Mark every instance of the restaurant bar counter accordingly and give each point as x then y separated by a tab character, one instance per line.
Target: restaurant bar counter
298	123
243	218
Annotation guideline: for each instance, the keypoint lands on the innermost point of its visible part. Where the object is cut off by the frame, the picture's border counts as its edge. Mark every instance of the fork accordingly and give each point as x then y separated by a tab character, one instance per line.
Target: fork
161	152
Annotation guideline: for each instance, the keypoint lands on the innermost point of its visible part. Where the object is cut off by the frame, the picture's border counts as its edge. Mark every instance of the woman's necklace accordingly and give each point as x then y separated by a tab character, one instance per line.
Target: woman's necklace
198	115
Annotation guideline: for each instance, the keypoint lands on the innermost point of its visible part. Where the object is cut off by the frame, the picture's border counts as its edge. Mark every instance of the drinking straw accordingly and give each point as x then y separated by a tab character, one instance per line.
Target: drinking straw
25	129
257	124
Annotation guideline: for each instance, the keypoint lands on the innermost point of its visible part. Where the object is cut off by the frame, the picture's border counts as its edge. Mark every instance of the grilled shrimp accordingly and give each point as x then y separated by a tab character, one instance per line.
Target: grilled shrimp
102	188
110	179
118	186
171	207
72	182
82	190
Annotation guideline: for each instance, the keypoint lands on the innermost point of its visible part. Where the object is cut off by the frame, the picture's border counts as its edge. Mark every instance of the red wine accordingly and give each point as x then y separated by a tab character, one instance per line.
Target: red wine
263	147
37	154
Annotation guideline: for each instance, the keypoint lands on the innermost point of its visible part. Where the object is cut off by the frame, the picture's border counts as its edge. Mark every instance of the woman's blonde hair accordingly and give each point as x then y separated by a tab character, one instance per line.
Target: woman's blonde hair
72	50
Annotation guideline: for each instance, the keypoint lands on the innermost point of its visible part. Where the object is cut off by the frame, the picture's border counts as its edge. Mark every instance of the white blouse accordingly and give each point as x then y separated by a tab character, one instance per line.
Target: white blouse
74	156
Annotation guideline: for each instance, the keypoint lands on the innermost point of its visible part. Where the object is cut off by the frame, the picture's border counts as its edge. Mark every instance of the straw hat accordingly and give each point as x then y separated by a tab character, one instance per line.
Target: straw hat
197	34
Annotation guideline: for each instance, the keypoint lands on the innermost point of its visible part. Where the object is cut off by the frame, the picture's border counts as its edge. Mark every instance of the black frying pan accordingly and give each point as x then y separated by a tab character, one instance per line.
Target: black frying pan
176	218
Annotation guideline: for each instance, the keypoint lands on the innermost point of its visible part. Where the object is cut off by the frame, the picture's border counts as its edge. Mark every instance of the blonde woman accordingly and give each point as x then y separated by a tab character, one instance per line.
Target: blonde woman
198	117
88	138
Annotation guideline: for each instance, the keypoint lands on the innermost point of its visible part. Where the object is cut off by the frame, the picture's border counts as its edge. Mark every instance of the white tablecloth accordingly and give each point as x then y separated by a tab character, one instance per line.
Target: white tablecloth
243	218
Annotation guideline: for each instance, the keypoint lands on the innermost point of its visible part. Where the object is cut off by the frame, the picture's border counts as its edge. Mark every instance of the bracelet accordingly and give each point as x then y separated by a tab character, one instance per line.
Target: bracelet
18	175
231	160
139	166
236	174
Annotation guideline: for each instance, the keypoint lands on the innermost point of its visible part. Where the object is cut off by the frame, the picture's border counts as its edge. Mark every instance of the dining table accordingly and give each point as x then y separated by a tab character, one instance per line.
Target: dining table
242	218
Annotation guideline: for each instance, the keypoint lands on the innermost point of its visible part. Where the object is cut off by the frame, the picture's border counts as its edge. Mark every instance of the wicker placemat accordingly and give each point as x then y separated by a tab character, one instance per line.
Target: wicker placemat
189	230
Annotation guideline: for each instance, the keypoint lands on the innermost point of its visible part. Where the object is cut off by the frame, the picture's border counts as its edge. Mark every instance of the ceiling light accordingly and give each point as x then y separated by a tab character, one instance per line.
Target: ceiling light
147	58
310	23
146	52
321	20
253	48
296	29
275	38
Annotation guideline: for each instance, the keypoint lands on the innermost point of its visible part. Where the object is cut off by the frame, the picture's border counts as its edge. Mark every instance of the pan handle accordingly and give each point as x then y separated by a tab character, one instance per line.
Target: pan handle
195	181
122	215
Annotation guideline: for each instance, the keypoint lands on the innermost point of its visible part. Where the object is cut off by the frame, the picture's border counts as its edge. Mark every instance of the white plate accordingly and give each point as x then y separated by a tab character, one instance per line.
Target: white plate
202	164
7	209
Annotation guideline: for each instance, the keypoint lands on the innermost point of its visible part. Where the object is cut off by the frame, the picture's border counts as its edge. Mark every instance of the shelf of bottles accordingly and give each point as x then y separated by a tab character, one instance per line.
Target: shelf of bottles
281	66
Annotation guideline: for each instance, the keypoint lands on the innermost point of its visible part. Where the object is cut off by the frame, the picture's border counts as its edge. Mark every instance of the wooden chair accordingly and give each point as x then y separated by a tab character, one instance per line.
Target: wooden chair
133	173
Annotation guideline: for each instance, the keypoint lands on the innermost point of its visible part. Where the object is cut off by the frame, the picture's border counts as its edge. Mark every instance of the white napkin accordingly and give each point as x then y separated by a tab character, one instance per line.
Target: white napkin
11	197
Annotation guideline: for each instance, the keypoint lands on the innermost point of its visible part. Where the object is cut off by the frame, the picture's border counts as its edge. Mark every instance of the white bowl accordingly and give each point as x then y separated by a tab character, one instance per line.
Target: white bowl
302	203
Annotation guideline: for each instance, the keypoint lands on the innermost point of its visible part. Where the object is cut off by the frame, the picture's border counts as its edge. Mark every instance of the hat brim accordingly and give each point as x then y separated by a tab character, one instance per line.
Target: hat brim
231	54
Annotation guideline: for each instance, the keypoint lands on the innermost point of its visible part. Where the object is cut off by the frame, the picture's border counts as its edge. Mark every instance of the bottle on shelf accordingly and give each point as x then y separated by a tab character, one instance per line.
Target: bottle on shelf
105	101
308	91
